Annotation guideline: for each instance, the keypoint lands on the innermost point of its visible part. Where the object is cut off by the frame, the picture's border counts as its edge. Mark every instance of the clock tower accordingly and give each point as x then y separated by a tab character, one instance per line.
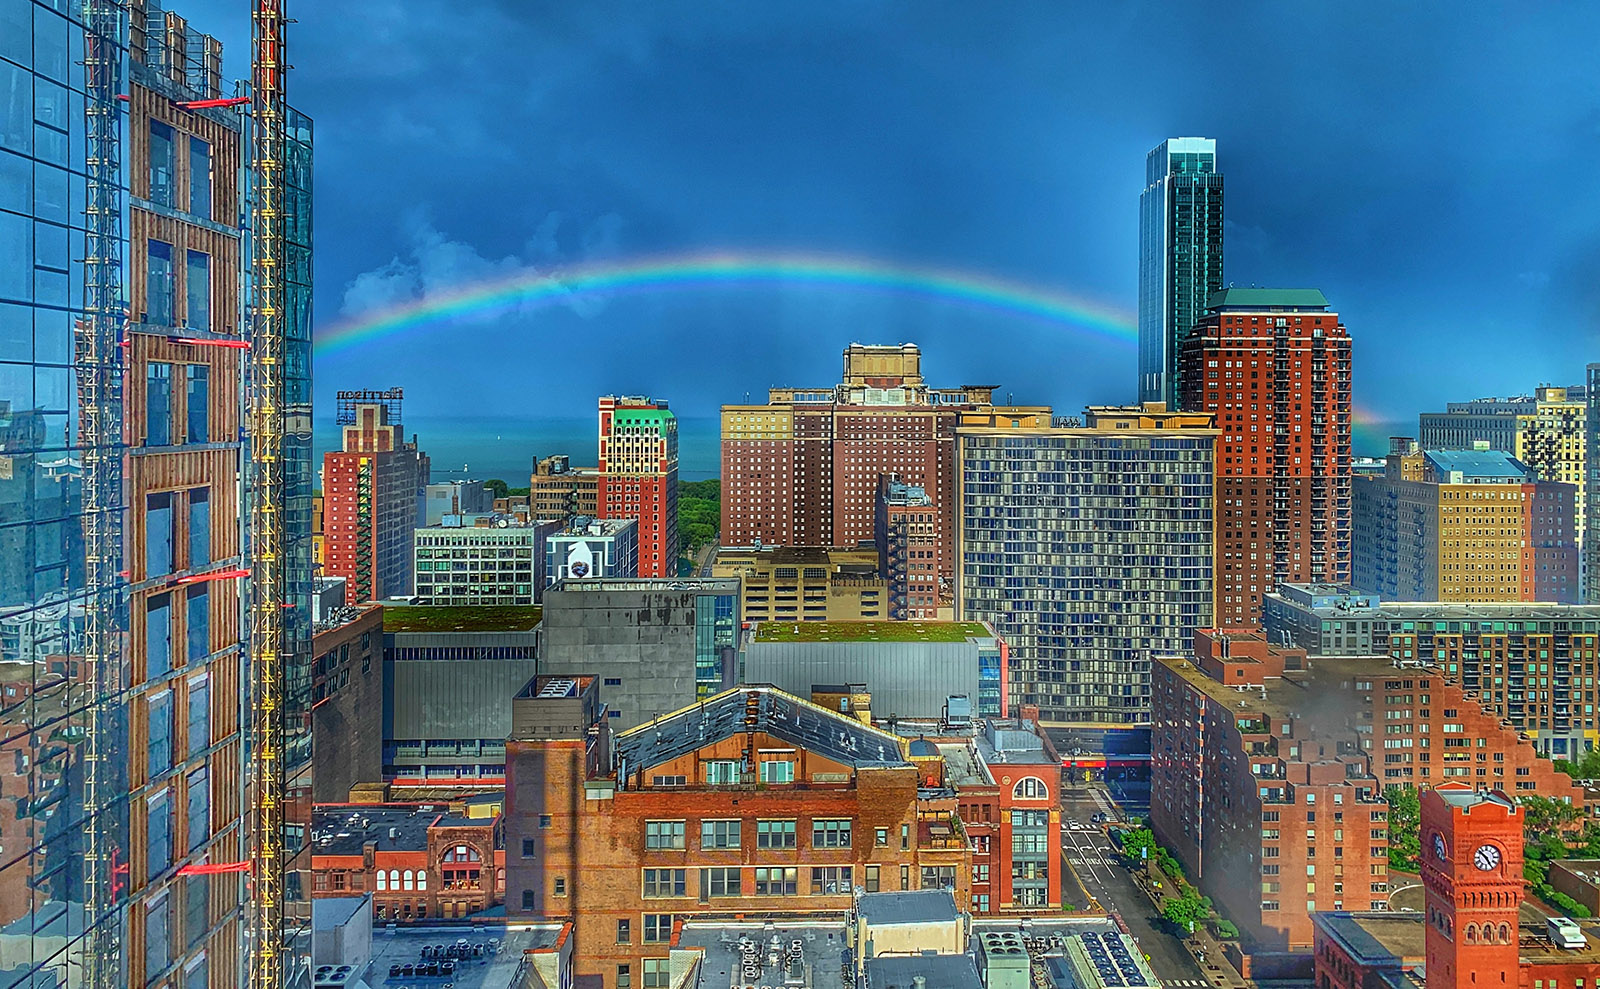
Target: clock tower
1472	871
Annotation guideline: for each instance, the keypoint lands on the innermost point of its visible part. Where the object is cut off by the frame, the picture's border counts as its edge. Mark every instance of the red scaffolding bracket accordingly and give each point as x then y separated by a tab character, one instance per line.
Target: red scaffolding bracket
199	342
219	575
213	868
208	104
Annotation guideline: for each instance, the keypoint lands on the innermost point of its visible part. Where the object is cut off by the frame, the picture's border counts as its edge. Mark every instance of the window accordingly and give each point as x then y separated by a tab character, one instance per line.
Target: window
881	837
778	881
657	973
777	771
561	886
657	928
162	164
722	773
159	748
197	290
830	879
1030	788
528	849
663	882
198	630
158	833
719	834
544	820
157	636
196	975
980	903
624	931
383	886
158	284
719	882
527	894
871	878
663	834
830	834
624	977
775	834
980	874
156	929
197	909
199	726
198	382
199	178
158	534
939	877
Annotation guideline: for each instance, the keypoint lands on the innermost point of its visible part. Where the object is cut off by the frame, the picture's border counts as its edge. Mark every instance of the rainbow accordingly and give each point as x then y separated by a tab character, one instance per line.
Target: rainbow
534	289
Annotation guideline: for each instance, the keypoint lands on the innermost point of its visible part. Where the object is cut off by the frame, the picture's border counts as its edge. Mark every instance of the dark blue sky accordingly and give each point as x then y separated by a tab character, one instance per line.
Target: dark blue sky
1431	168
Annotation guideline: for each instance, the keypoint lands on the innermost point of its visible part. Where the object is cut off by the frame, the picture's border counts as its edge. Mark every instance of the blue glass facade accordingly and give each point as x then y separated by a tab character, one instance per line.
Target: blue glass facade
715	633
1180	258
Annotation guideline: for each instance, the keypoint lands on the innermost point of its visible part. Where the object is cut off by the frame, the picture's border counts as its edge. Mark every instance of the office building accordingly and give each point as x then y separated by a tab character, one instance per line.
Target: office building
805	583
1464	525
658	644
347	689
455	498
1551	440
630	839
417	862
1591	460
481	560
638	477
372	498
1267	799
123	616
803	469
1532	664
1180	258
911	669
558	490
588	547
1273	365
1088	549
907	533
1491	421
1468	928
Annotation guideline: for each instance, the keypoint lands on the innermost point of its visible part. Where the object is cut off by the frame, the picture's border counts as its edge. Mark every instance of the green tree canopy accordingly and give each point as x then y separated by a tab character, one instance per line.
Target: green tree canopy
1405	828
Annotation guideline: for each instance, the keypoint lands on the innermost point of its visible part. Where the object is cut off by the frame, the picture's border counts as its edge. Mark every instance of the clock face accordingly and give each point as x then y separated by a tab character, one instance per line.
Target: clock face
1438	846
1486	857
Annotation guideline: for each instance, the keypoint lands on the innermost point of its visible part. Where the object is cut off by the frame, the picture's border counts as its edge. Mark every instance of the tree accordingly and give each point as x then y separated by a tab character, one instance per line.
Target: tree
497	486
1543	815
1136	841
1185	908
1226	930
1587	768
1405	828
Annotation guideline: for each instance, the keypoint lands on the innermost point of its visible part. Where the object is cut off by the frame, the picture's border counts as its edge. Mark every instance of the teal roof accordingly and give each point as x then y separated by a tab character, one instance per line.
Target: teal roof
1479	464
1267	298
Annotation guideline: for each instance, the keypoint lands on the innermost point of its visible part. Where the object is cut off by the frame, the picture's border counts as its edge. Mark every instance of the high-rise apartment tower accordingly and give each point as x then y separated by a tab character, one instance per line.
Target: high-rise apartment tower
1180	258
639	476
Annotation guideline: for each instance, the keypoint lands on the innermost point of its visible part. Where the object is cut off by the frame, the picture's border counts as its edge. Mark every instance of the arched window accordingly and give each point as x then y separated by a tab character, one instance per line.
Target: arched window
408	879
1505	933
1471	934
462	853
1030	788
394	880
422	879
383	881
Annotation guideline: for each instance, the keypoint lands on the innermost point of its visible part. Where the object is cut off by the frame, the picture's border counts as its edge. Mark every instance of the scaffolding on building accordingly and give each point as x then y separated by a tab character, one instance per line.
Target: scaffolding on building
98	358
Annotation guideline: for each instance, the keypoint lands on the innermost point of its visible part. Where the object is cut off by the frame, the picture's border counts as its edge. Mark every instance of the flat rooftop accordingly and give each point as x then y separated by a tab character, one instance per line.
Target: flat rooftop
1449	610
822	945
344	829
776	631
923	906
961	765
468	618
902	971
502	945
1383	935
729	585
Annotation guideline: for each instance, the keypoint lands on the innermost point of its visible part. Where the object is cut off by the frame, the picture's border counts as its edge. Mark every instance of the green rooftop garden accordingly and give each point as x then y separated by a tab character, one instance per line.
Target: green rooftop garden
486	618
780	631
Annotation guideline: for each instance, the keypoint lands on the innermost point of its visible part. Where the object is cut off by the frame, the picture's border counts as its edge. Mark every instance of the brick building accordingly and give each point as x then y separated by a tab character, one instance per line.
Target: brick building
557	489
1532	664
1473	930
751	800
638	476
911	554
419	861
372	499
1464	525
347	689
803	469
805	583
1274	366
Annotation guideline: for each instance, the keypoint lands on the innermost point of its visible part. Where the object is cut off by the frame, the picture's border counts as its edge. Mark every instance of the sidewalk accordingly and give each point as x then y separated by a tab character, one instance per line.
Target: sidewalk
1207	950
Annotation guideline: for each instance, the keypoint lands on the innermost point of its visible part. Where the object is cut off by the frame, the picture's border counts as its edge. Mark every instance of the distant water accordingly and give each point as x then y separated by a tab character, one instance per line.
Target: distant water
488	447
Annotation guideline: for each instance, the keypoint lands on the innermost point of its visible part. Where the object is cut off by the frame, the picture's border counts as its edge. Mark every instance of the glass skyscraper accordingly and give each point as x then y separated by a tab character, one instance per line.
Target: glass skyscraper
1180	257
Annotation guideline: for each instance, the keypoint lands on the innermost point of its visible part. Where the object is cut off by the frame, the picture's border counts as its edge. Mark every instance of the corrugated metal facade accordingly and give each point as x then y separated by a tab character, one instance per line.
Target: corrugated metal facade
906	679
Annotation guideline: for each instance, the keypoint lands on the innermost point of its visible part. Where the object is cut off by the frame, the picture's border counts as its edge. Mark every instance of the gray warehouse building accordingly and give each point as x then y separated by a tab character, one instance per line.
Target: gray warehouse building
910	668
657	643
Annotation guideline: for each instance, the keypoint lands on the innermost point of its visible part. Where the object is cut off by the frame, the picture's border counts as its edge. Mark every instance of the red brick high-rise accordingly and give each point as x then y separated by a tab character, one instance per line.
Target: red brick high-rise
639	476
372	499
803	469
1274	365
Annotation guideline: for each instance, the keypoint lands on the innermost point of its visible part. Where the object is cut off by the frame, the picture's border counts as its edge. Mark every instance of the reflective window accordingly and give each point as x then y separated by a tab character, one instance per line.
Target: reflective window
156	957
197	285
198	631
196	908
158	284
199	715
198	377
158	636
16	247
158	404
160	745
199	528
158	831
16	106
158	534
199	783
199	179
161	164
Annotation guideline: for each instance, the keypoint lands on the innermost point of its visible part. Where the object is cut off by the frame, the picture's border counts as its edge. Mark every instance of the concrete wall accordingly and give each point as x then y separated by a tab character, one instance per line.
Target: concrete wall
906	679
347	730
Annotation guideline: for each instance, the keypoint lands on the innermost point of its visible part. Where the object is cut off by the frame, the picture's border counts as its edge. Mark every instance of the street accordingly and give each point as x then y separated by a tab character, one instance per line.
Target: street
1097	870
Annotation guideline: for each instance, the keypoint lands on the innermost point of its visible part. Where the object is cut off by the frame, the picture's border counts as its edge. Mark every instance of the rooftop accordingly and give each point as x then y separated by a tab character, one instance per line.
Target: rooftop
1450	610
343	829
799	722
923	906
821	947
1374	937
1267	298
727	585
962	766
1479	464
944	971
469	618
502	945
870	631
